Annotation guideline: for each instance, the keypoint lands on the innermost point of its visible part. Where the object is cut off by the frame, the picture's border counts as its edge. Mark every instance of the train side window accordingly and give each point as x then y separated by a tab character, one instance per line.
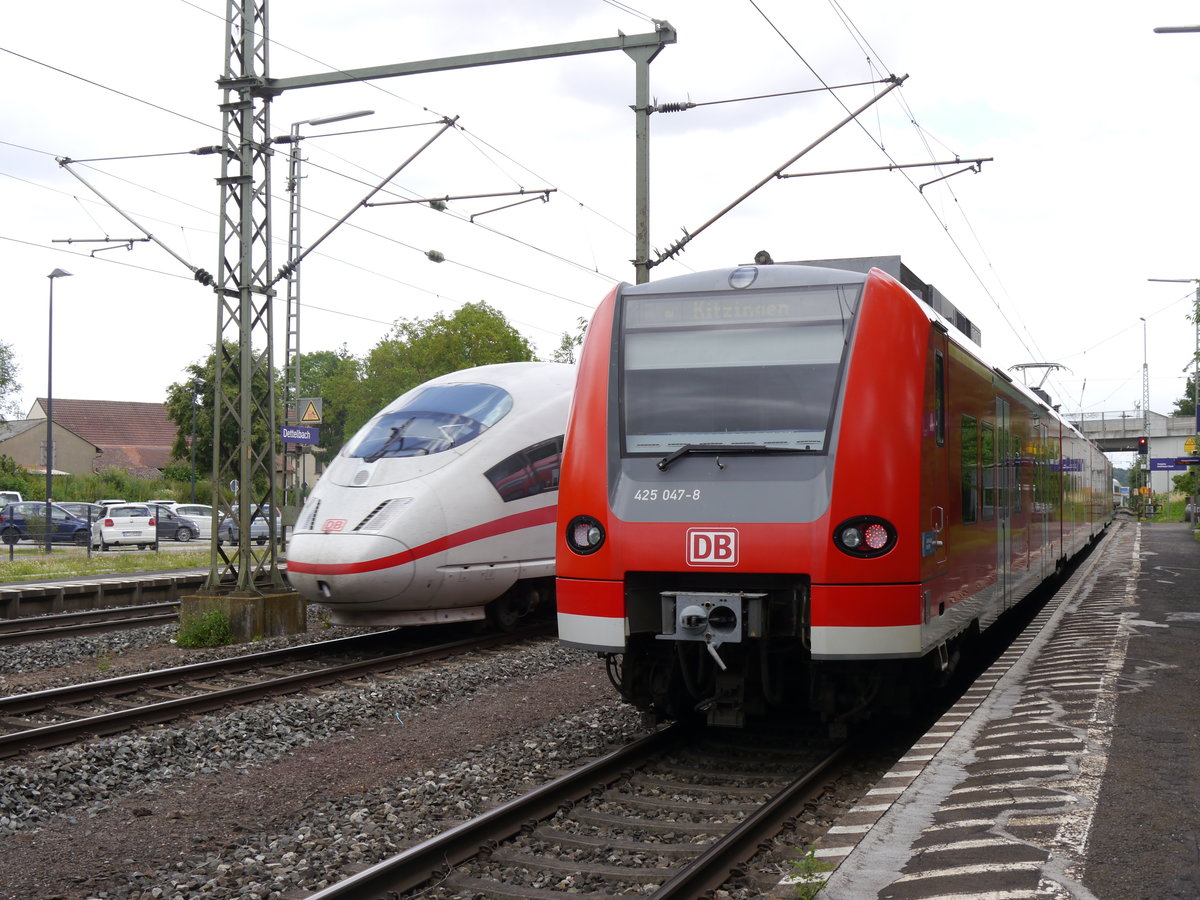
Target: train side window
533	470
987	462
939	397
970	468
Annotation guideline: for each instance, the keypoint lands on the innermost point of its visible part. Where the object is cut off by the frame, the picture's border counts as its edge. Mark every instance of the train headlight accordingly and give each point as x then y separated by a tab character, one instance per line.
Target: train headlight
865	536
584	535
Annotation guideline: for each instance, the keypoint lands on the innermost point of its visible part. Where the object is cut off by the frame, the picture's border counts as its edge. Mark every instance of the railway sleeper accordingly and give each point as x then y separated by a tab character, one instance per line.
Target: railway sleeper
596	842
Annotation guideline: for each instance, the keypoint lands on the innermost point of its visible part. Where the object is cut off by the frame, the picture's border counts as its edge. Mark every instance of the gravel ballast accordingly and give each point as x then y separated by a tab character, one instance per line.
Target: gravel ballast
289	795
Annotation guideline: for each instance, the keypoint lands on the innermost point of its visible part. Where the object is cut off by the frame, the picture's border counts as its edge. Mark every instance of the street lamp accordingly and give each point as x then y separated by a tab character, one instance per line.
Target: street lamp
1195	355
57	273
291	366
192	445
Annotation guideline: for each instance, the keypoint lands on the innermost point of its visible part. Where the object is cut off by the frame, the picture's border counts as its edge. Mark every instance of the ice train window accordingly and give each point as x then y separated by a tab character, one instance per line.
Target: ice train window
528	472
757	368
431	419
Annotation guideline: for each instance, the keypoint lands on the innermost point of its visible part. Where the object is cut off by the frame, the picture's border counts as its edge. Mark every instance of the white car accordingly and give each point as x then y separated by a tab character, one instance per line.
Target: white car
126	523
200	514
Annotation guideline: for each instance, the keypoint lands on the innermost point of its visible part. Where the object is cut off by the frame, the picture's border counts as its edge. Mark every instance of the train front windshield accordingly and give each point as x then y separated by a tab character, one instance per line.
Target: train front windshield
430	420
746	368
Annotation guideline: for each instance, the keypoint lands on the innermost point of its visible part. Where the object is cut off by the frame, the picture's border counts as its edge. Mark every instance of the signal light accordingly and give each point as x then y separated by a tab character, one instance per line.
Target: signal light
865	537
1143	446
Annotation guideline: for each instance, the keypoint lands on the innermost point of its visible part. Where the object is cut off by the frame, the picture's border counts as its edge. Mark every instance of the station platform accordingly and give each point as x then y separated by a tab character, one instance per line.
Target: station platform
1072	769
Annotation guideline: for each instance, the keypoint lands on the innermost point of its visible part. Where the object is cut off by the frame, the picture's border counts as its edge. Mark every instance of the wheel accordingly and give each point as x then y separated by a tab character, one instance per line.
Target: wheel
261	541
507	610
143	546
104	545
82	537
10	535
184	534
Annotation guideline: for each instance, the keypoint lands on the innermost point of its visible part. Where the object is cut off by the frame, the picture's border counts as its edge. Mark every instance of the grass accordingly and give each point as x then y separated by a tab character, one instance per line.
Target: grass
211	629
809	875
30	563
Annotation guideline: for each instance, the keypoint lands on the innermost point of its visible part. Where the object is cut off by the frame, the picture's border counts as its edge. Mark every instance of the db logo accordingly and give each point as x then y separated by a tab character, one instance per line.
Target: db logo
333	525
712	548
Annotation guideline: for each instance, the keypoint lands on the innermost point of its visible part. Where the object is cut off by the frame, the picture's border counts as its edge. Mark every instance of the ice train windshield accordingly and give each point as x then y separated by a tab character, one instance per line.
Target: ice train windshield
430	420
751	367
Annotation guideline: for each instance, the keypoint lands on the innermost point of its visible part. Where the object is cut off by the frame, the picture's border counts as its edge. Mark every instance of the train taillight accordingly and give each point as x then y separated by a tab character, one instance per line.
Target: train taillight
865	536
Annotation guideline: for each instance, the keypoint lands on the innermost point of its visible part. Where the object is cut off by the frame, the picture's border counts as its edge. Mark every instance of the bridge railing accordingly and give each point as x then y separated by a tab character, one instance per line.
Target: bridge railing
1129	423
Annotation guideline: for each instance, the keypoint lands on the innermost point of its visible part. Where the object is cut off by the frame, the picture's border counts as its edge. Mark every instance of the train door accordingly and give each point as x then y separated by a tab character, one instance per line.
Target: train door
1003	475
1041	502
941	461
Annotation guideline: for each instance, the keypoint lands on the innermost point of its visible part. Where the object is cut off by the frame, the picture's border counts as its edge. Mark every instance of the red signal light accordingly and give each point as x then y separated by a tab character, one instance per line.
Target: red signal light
875	536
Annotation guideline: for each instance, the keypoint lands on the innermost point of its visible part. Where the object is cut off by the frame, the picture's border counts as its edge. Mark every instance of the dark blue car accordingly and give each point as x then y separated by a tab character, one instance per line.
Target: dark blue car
26	521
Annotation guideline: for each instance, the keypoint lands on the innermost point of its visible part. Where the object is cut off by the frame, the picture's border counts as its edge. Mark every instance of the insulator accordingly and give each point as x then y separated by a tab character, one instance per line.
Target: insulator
678	106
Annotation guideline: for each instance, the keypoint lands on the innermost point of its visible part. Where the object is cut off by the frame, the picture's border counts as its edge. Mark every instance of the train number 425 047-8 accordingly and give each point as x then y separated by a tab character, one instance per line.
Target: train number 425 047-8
667	494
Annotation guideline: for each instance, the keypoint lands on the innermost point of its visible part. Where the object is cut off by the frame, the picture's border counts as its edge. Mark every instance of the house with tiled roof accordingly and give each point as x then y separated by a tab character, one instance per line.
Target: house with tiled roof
136	437
24	442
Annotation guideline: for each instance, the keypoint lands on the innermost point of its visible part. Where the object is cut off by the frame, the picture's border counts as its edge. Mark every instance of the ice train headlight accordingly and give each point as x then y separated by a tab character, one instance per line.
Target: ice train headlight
865	536
584	535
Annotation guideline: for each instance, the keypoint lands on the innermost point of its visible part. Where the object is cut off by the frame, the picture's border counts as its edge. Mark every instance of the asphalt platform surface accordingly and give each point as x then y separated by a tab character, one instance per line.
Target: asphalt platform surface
1074	772
1145	839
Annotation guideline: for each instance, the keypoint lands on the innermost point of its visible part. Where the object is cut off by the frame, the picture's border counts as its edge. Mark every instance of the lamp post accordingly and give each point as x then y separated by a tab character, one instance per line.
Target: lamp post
1146	412
1195	366
291	366
192	445
57	273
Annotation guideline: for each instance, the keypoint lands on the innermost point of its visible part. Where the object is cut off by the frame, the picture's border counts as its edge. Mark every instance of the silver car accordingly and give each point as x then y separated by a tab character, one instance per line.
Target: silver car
259	530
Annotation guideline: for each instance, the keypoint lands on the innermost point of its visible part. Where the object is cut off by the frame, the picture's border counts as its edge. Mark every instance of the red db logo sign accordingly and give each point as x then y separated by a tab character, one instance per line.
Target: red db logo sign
707	547
333	525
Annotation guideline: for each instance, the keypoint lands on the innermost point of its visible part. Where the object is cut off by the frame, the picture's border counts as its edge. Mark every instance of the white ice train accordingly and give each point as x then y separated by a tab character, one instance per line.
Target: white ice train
442	508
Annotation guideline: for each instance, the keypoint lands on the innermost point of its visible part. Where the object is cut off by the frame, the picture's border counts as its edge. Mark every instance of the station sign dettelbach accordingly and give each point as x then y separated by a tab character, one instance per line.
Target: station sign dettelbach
298	434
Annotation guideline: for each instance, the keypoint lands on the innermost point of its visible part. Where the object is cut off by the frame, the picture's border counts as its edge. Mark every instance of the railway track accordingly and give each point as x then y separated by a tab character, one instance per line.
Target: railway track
62	715
669	816
28	629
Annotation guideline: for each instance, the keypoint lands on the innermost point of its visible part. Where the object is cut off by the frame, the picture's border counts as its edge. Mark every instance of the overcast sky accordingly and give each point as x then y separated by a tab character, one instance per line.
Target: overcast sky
1089	115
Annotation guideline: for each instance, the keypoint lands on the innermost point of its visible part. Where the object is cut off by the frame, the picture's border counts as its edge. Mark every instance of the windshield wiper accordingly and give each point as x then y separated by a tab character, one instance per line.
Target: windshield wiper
397	432
716	449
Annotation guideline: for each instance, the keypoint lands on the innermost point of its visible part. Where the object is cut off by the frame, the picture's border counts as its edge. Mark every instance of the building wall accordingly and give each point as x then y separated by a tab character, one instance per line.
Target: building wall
71	453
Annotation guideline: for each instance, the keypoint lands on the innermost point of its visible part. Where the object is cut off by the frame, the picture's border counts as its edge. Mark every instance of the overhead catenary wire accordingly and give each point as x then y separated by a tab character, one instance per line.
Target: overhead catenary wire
489	229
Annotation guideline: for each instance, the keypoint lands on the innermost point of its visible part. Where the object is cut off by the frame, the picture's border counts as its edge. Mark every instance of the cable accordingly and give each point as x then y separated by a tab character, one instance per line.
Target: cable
107	88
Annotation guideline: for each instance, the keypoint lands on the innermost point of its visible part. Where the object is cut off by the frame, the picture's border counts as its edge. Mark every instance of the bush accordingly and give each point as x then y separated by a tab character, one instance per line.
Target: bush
211	629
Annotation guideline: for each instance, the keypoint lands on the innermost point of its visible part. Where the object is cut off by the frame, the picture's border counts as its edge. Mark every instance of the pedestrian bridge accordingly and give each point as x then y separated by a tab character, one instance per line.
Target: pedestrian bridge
1117	431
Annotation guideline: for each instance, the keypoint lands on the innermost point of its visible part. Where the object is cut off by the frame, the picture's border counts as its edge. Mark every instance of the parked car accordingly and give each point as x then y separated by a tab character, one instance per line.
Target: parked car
259	530
200	514
172	526
87	511
109	502
26	521
7	497
125	523
170	504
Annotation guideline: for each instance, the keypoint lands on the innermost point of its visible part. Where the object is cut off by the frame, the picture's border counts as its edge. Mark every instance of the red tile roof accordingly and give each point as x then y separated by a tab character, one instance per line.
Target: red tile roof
133	436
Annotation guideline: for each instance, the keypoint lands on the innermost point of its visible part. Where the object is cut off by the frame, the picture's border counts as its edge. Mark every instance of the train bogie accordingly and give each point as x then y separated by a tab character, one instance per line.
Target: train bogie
443	506
795	486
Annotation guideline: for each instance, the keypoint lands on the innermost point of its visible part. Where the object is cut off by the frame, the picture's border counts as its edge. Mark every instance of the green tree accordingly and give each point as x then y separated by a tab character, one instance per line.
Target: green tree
565	353
332	376
8	382
414	352
14	478
193	396
1186	405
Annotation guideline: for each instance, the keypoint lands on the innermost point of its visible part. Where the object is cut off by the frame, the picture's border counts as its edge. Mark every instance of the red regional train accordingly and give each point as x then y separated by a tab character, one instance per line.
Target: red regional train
800	486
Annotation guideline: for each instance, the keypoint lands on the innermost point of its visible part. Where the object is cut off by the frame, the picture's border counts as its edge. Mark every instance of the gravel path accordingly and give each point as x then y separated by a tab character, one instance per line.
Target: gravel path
284	797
